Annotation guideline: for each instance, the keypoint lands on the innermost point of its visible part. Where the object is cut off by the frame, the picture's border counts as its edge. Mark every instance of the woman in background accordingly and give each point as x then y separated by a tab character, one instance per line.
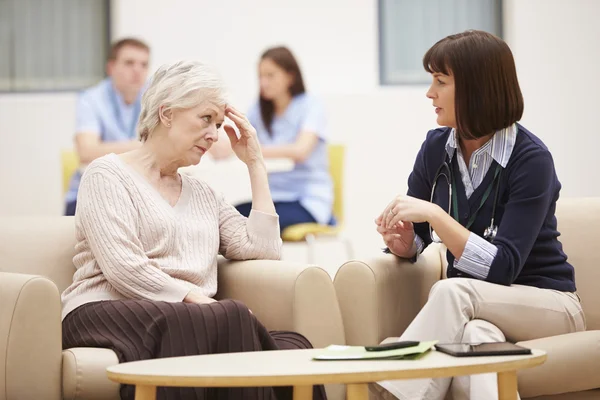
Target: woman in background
291	124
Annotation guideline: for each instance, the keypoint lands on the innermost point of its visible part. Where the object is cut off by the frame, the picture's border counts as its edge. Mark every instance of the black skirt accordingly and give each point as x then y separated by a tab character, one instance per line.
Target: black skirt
141	330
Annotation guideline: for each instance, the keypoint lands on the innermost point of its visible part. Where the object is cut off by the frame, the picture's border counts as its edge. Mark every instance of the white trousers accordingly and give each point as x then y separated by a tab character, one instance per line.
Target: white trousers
470	310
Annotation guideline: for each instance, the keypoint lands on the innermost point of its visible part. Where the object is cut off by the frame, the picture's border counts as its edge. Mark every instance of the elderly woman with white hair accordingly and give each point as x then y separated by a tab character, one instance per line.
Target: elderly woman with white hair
148	239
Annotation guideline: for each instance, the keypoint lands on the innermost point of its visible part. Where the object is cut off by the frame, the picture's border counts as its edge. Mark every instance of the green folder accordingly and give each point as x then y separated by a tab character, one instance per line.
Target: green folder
336	352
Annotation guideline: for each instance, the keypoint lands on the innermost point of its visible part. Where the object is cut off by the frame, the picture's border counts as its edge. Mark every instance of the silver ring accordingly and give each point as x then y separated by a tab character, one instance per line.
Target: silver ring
392	212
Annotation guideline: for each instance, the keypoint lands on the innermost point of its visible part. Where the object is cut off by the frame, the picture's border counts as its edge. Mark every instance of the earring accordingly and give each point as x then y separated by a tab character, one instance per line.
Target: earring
169	125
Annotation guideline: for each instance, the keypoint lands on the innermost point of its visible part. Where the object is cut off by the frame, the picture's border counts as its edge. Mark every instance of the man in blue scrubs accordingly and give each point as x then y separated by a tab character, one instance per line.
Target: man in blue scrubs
107	114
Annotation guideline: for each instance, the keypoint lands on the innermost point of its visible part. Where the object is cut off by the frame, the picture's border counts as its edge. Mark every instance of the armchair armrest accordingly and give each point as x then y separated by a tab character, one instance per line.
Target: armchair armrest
379	298
572	365
30	338
285	296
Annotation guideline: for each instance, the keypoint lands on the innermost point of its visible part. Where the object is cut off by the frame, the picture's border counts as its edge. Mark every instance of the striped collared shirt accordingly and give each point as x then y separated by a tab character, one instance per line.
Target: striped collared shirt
478	254
498	148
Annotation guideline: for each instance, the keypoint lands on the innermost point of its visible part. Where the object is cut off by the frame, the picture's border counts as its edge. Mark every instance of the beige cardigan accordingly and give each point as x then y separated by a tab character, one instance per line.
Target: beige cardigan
132	244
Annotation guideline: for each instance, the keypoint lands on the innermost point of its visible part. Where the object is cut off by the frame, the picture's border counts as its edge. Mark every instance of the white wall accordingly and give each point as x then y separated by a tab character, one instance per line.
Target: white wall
337	55
33	129
555	44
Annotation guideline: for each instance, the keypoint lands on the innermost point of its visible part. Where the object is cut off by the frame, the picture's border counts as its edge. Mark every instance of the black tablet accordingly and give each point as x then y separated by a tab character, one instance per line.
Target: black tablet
481	349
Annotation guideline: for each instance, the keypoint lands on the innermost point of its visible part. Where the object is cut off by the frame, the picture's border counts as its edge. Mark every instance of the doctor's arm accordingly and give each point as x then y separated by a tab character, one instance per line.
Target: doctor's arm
454	236
472	253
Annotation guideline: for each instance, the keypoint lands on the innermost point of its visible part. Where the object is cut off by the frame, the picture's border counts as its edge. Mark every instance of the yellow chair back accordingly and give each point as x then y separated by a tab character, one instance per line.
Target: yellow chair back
70	163
299	232
336	170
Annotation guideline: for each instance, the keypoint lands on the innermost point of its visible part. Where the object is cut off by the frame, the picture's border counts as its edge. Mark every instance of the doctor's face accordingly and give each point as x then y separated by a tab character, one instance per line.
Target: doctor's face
441	92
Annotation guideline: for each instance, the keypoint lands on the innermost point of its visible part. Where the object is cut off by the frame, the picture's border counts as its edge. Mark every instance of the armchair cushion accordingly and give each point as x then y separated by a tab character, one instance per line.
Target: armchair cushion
285	296
84	374
573	364
381	297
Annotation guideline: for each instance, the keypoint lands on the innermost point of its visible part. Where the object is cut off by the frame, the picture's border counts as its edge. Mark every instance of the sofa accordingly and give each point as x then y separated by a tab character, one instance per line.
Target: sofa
36	266
379	298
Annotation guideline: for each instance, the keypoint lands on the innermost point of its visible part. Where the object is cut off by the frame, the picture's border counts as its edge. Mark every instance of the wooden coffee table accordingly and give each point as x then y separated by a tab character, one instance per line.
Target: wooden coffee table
296	368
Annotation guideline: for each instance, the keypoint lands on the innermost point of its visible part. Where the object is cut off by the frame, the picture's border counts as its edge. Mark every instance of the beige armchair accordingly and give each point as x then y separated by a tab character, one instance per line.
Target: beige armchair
36	265
379	298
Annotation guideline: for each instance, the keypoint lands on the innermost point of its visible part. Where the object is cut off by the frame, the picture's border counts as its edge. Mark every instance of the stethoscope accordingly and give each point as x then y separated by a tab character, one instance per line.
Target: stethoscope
445	171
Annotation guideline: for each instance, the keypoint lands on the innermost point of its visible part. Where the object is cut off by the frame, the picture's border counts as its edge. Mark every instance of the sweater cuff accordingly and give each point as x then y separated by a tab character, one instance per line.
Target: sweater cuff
477	257
263	225
173	292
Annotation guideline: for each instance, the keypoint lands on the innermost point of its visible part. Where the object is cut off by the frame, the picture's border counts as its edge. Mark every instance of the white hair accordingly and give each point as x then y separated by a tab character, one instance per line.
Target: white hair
180	85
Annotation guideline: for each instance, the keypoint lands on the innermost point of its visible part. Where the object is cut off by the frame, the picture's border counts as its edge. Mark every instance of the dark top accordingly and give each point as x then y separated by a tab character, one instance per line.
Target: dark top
529	252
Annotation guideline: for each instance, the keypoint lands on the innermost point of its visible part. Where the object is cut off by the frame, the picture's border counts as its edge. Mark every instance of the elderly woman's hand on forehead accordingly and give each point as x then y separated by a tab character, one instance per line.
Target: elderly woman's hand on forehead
246	147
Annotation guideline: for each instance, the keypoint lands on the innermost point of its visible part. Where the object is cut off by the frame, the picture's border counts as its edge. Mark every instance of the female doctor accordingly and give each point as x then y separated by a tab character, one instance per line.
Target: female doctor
486	188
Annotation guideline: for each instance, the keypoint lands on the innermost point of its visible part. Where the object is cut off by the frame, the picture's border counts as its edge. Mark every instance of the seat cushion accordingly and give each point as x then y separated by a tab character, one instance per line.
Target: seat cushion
298	232
572	365
577	222
84	374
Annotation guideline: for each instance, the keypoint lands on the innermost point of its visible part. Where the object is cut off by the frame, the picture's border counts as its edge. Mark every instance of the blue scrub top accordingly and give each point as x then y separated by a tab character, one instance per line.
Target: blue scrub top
102	110
309	182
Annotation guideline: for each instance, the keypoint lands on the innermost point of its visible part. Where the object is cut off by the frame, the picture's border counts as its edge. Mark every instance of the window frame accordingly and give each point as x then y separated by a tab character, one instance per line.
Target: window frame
106	44
383	78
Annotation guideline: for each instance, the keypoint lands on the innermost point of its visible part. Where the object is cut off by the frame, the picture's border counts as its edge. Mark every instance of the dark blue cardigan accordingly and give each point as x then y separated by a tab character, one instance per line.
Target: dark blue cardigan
529	252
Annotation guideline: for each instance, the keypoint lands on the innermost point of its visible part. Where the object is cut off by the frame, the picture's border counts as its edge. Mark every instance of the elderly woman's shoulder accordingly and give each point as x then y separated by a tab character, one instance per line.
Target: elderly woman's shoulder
107	164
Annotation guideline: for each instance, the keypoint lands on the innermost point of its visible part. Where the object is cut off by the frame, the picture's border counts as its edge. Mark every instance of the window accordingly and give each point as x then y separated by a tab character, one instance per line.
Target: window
408	28
52	44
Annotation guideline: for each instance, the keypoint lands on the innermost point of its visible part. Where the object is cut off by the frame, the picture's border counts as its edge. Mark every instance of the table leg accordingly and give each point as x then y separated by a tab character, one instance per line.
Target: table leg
357	391
507	385
145	392
303	392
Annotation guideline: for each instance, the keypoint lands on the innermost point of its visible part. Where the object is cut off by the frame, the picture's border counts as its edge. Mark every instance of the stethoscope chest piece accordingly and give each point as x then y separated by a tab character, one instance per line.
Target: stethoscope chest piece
490	232
445	171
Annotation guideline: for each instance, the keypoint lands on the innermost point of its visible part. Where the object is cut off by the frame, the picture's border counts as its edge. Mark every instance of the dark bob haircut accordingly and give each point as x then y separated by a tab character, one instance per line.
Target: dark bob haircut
487	95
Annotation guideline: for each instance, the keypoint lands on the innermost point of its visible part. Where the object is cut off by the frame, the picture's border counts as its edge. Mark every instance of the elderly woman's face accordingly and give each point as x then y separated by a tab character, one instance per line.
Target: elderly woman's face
194	130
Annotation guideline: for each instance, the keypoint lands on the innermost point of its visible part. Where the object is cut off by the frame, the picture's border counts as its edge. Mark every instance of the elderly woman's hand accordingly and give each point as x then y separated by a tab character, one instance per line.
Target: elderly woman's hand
246	147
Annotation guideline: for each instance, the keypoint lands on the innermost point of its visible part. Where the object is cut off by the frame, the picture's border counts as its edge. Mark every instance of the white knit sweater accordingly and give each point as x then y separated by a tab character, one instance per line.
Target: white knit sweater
132	244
